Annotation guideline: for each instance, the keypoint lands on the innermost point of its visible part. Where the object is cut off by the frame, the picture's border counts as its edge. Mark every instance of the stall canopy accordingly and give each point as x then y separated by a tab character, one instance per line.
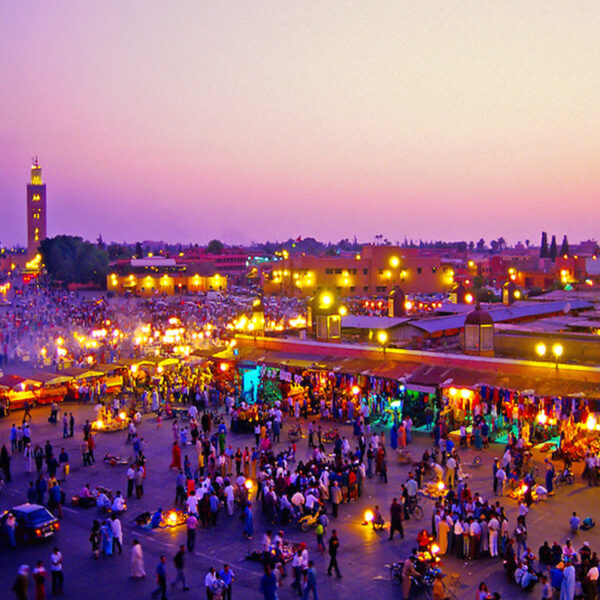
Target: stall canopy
46	378
108	367
81	373
161	361
16	382
138	362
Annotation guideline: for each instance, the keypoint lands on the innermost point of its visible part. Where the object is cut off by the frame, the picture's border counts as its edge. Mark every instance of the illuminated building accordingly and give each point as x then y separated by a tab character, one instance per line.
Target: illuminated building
375	270
164	276
36	210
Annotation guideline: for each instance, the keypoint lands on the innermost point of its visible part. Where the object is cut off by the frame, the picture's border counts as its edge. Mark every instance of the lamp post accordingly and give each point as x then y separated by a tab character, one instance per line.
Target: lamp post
540	349
382	338
557	350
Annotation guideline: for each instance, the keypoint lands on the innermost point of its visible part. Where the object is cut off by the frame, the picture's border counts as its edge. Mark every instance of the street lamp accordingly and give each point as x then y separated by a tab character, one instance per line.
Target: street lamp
557	350
540	349
382	338
394	262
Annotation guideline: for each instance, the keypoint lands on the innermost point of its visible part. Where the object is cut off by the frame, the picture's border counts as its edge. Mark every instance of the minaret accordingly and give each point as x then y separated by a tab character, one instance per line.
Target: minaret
36	210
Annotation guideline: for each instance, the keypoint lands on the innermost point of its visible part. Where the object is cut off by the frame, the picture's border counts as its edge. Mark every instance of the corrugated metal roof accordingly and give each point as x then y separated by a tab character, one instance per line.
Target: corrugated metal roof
502	314
372	322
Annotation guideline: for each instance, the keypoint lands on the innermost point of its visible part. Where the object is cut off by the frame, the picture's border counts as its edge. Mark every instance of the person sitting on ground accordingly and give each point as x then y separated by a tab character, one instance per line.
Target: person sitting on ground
118	504
156	519
378	520
103	501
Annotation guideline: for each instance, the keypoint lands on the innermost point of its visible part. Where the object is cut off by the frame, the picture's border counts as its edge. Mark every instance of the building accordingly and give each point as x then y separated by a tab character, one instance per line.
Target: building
164	276
36	210
376	270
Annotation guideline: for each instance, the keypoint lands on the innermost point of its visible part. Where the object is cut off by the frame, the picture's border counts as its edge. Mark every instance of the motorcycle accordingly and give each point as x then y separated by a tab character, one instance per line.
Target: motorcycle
309	521
564	477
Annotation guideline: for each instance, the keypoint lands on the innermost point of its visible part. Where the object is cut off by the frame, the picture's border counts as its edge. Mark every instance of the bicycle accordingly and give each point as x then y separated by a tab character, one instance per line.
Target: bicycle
414	509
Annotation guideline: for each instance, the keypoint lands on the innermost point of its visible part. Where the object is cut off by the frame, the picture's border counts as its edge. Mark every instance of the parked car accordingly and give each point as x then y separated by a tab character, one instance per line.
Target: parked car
34	522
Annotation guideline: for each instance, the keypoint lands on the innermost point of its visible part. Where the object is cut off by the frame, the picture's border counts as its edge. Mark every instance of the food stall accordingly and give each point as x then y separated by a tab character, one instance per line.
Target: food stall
16	391
53	386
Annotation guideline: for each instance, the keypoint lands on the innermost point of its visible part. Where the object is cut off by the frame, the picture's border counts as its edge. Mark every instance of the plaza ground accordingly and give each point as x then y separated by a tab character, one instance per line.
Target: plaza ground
364	555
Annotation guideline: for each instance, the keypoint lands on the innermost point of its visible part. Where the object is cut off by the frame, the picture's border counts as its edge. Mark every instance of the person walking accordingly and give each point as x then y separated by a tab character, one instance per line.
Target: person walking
268	584
191	524
56	571
396	519
117	531
161	579
21	585
227	577
95	538
334	543
139	482
39	579
130	480
137	570
179	561
336	498
310	582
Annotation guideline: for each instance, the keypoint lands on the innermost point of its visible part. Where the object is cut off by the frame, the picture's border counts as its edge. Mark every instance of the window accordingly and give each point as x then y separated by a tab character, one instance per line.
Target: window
419	269
328	271
381	288
434	269
365	271
352	288
365	288
36	197
338	271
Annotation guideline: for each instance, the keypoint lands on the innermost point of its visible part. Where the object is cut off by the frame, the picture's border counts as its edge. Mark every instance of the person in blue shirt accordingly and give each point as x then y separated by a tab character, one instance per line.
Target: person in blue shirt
156	519
268	584
161	579
248	522
214	508
31	493
227	577
311	581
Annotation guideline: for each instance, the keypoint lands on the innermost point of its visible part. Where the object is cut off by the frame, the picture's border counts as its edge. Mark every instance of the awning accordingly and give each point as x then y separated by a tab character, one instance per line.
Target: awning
46	378
80	372
12	382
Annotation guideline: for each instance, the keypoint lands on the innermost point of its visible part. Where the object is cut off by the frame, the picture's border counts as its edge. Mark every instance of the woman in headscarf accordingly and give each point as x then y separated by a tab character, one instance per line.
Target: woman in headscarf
137	561
175	457
107	538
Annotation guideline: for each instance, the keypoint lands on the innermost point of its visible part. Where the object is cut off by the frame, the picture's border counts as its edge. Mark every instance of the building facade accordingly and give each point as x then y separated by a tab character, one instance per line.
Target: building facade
376	270
163	276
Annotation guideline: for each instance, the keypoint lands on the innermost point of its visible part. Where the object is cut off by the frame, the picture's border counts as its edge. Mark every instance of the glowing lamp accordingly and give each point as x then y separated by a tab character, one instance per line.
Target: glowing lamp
343	311
122	415
469	298
369	516
382	337
172	518
99	424
540	349
453	391
542	418
465	394
440	485
134	368
326	300
248	484
434	548
355	390
517	294
408	305
591	422
557	350
224	367
394	261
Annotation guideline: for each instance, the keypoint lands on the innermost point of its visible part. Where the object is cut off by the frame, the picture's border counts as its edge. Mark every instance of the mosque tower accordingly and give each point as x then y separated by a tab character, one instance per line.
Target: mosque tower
36	210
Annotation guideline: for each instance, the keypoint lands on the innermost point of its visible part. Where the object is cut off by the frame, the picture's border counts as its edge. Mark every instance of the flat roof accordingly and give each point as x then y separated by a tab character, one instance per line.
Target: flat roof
372	322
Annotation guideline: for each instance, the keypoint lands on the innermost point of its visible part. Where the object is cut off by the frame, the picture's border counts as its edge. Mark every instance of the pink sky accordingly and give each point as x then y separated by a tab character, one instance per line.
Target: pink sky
260	120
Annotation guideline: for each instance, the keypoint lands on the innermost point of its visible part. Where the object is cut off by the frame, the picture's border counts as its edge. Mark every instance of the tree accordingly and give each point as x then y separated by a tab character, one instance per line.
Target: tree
553	250
214	247
471	245
101	243
501	243
139	251
564	247
544	246
480	245
73	260
527	242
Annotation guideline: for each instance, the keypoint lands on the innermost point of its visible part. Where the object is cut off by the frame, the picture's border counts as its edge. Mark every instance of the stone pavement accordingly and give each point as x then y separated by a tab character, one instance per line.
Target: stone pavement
364	555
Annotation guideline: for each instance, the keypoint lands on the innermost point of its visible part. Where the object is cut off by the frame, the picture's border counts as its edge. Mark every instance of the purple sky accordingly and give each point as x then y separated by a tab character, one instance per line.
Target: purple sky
252	120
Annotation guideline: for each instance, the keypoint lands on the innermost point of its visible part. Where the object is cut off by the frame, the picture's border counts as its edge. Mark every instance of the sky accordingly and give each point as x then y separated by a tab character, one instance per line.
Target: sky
254	119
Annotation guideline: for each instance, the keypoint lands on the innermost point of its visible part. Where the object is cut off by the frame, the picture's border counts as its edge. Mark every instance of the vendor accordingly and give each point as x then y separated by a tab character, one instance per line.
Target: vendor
103	501
423	539
118	504
156	519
